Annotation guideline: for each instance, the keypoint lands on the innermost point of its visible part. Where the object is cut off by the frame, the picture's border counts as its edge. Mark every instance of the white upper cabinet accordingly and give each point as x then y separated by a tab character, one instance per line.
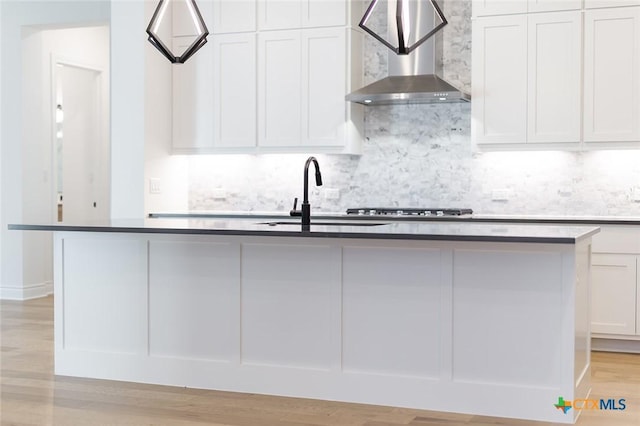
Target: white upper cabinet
289	14
527	78
279	14
192	94
301	93
324	13
498	7
233	16
554	77
255	89
324	85
280	83
499	74
234	86
510	7
612	75
589	4
552	5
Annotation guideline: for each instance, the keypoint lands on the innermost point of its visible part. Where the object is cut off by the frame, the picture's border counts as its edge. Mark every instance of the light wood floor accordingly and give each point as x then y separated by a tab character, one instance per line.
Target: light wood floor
31	395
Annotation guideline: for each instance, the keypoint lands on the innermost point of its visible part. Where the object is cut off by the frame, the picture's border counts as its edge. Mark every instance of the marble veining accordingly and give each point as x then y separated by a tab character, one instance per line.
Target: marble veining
423	156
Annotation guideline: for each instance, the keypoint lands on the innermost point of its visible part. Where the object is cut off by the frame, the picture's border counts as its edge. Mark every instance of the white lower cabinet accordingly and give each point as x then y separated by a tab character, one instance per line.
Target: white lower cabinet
615	295
613	307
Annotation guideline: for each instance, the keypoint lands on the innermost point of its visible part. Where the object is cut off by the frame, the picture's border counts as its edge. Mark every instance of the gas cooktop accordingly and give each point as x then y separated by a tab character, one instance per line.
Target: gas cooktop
409	211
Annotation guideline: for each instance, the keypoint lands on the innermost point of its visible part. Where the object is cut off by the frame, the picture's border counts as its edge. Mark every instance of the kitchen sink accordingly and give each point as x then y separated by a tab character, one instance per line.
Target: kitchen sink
326	223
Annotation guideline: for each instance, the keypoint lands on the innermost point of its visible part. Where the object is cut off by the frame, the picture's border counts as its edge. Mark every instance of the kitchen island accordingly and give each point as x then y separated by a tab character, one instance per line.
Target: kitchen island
488	319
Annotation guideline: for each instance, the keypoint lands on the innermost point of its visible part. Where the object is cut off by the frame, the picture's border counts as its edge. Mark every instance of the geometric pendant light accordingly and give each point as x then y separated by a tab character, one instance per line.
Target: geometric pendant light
401	21
177	29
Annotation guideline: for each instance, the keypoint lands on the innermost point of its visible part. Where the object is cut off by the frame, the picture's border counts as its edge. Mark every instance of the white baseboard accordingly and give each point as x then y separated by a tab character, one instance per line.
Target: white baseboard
615	345
31	291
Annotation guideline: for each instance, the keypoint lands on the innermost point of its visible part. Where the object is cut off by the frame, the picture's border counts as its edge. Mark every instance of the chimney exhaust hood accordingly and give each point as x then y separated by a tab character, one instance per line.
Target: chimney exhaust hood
412	78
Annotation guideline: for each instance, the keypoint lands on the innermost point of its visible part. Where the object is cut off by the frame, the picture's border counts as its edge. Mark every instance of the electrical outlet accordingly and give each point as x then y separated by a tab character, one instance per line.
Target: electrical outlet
331	193
154	186
219	194
565	191
500	194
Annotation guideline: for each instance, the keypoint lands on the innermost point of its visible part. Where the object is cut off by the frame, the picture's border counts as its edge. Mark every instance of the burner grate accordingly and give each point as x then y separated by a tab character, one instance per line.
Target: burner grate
409	211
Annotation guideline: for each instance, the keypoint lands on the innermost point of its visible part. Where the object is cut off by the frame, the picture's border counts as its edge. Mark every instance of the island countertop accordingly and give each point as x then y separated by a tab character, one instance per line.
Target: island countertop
380	229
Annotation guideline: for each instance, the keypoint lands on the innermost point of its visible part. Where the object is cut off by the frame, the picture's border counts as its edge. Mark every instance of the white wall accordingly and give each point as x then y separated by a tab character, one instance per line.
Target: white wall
81	46
14	17
2	222
127	107
171	171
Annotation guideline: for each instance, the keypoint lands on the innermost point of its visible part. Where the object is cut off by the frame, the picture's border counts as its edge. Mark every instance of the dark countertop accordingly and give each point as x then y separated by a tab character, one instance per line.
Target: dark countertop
256	225
475	218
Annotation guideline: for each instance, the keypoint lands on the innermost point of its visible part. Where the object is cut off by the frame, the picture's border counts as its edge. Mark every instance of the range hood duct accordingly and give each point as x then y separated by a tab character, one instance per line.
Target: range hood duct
412	78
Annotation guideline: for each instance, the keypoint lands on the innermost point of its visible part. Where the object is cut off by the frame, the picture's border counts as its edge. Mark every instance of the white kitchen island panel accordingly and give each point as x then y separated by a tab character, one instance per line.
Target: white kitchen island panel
392	319
290	308
498	296
491	328
103	302
193	288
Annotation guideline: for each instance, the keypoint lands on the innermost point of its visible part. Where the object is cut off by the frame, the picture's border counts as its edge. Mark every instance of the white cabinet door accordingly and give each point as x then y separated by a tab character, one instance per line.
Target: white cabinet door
589	4
233	16
324	86
279	14
553	5
279	85
554	88
498	7
613	297
612	75
193	97
499	73
324	13
234	85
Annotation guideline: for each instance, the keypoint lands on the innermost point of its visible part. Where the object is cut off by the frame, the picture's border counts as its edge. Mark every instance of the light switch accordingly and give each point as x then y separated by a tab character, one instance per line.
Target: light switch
219	194
154	186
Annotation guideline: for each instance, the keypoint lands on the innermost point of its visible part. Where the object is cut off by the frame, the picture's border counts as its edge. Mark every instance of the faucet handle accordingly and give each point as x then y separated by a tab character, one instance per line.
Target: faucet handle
294	212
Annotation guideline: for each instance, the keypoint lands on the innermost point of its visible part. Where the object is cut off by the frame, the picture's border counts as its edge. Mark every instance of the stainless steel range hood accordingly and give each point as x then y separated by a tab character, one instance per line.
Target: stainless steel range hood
412	77
408	89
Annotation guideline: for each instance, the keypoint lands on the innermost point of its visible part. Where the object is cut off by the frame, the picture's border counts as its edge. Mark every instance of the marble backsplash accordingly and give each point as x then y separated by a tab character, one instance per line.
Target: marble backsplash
423	156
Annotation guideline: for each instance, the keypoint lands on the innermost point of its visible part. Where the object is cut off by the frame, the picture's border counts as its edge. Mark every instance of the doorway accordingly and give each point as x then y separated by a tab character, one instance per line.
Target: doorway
80	152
